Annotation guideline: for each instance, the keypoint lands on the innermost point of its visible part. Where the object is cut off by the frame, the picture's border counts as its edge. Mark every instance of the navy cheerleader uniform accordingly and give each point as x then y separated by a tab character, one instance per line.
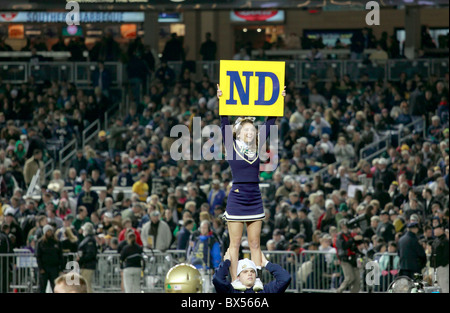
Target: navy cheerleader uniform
244	202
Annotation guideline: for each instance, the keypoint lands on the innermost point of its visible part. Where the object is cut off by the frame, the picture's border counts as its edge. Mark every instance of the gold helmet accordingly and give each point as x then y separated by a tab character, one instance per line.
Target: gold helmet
183	278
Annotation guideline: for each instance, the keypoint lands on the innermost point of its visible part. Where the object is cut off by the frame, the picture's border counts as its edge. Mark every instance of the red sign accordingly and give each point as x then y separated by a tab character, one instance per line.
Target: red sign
257	16
7	17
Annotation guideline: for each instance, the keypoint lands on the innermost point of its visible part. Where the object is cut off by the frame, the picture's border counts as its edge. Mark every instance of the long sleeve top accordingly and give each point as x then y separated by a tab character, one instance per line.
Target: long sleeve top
279	285
243	168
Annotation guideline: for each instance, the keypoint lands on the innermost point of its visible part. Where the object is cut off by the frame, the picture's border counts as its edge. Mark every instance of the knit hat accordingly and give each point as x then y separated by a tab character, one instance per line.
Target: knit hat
244	264
47	228
343	207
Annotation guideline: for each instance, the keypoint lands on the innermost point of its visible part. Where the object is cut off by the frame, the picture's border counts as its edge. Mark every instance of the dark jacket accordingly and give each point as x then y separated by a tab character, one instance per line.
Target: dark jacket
439	255
279	285
411	253
88	249
386	231
49	254
183	238
131	256
346	248
89	200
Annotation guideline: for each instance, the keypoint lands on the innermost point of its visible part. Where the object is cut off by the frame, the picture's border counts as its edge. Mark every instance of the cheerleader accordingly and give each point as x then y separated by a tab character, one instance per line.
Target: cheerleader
244	204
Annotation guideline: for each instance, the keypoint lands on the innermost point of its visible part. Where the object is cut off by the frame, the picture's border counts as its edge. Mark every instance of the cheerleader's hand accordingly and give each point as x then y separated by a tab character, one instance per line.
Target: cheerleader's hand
264	260
227	255
283	93
219	92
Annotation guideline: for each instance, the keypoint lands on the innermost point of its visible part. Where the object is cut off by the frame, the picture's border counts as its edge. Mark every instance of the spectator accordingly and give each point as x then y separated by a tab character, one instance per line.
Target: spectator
204	249
101	78
346	244
412	254
439	257
314	54
241	55
389	266
173	50
216	196
208	48
156	233
49	258
165	74
379	55
88	252
184	234
88	198
141	188
131	259
32	165
385	229
343	151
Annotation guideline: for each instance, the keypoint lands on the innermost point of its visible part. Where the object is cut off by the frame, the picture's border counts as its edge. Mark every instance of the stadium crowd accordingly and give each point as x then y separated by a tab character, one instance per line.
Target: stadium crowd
320	179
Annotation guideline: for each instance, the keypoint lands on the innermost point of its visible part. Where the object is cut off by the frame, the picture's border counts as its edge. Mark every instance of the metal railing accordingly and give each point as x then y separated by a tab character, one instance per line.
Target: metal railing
65	156
298	71
311	271
49	166
320	272
90	132
418	125
375	148
19	270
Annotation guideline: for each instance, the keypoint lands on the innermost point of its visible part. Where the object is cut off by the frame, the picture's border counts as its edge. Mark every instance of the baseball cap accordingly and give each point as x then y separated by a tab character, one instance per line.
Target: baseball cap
412	224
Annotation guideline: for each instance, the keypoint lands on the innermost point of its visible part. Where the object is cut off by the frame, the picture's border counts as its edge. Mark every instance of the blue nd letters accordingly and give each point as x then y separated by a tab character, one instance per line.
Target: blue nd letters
244	95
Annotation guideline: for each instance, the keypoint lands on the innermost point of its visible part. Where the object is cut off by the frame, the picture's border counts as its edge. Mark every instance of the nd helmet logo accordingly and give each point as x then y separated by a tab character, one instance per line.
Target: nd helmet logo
251	88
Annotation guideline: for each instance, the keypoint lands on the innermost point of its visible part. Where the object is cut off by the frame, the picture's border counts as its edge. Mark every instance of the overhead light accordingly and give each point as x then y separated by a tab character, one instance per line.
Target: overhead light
177	0
244	30
258	30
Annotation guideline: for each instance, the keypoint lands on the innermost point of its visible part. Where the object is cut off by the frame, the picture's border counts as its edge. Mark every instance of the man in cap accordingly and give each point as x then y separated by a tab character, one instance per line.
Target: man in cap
247	274
347	248
88	254
101	145
412	254
386	229
440	257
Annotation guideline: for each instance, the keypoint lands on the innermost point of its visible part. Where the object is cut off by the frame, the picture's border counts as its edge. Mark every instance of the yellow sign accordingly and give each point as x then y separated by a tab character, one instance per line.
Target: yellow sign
251	88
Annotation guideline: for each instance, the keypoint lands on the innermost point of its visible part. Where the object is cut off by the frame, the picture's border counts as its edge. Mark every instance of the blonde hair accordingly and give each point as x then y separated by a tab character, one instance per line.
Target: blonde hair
69	234
72	288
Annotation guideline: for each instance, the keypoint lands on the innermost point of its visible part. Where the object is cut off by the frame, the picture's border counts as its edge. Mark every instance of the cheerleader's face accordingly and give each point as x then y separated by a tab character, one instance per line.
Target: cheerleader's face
248	133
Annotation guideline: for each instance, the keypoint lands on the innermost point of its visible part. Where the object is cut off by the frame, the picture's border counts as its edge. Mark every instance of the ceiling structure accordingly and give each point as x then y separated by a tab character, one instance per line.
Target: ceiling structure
8	5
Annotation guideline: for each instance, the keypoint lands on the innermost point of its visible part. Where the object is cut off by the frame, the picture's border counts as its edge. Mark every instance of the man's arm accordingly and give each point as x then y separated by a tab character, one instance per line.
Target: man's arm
282	277
220	281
